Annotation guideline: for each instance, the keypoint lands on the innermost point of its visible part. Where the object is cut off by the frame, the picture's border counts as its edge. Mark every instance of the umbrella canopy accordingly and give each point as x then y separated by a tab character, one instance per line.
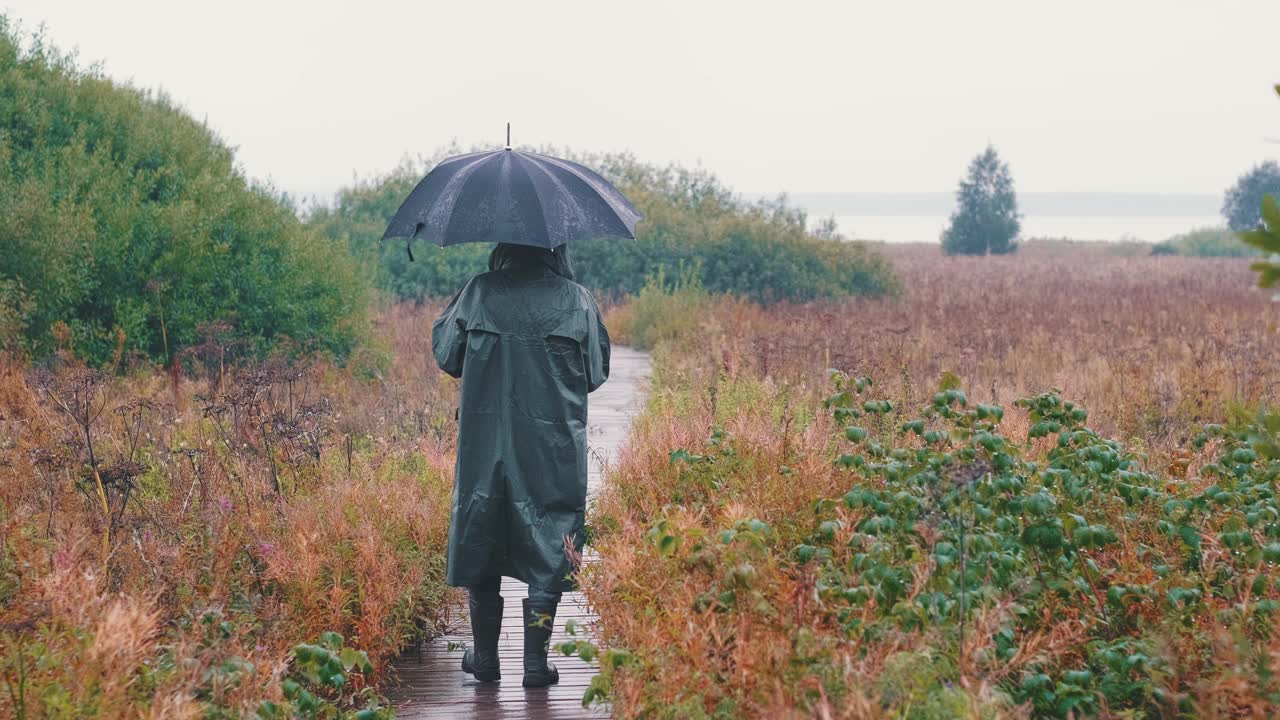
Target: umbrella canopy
509	196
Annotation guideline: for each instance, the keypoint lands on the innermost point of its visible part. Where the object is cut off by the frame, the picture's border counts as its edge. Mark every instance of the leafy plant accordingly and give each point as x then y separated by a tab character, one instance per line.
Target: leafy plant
607	663
319	681
1051	569
1266	239
667	308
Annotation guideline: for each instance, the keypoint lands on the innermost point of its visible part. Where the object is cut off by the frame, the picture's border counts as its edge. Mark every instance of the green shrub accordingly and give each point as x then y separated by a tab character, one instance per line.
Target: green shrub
16	308
999	520
125	218
320	686
358	218
1204	242
758	250
954	526
663	310
1266	239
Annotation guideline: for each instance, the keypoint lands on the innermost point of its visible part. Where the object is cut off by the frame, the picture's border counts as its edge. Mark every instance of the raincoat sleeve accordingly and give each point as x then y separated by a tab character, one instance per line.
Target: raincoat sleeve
597	351
449	335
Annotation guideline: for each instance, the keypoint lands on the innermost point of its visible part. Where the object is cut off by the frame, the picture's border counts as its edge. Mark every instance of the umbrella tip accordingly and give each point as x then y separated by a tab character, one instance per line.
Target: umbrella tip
508	136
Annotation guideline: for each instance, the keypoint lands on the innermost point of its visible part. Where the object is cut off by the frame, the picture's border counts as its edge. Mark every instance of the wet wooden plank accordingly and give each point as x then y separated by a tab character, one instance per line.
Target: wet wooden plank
429	682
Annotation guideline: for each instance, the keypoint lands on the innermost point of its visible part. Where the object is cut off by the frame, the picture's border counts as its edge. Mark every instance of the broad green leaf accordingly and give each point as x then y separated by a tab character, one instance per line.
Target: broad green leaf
349	657
1190	536
1266	241
1271	214
667	544
1271	553
1268	273
828	529
617	657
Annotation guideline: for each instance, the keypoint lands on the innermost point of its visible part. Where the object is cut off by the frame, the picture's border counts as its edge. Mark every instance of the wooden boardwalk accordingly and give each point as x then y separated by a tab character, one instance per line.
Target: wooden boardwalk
430	681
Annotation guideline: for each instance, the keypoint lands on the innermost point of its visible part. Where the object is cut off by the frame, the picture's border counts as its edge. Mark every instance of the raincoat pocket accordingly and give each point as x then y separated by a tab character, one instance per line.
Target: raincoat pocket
565	357
566	346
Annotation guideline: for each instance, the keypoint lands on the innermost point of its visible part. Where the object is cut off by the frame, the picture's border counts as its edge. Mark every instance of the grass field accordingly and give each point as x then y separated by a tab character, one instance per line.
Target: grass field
169	544
1154	346
907	538
829	509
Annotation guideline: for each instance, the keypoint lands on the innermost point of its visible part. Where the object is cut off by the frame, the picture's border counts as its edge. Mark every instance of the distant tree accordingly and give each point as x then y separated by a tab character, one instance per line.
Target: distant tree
1242	206
986	218
827	228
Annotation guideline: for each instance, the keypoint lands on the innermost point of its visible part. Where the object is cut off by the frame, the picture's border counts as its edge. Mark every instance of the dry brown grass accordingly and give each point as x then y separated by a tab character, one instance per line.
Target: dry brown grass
1154	347
207	561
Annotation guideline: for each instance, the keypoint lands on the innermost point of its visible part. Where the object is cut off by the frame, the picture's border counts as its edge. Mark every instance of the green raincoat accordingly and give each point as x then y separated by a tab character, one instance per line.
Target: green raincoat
529	344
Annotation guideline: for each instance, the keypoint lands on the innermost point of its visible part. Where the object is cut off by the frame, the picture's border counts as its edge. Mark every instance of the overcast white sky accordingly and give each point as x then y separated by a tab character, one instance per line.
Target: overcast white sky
798	96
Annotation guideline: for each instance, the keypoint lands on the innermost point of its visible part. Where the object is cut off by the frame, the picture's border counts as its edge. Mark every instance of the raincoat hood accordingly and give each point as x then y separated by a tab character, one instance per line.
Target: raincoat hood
514	257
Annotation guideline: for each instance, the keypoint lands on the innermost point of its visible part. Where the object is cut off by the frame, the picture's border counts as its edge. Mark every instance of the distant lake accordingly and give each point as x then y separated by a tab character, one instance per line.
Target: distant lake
928	228
921	217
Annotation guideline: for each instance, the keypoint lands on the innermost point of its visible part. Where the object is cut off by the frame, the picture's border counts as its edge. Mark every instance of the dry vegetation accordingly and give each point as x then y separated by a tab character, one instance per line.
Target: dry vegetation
772	547
1153	346
168	539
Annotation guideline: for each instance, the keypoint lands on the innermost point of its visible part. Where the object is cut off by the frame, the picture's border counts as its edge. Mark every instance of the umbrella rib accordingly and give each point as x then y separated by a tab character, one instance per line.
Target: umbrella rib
564	192
457	183
597	192
405	221
603	188
542	213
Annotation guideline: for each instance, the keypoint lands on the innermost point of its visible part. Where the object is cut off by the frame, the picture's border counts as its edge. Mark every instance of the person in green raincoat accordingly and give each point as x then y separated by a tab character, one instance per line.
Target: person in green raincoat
529	344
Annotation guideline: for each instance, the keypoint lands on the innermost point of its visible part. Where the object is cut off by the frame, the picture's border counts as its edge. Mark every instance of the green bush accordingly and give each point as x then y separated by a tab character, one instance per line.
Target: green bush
664	310
358	218
15	313
1005	529
1266	239
954	525
1204	242
758	250
126	219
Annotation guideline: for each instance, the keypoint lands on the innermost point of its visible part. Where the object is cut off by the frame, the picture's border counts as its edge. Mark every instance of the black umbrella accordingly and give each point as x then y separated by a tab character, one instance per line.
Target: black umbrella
514	197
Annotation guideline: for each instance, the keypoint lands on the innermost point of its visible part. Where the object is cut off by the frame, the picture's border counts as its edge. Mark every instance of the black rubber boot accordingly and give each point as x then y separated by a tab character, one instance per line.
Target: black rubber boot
538	622
481	659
